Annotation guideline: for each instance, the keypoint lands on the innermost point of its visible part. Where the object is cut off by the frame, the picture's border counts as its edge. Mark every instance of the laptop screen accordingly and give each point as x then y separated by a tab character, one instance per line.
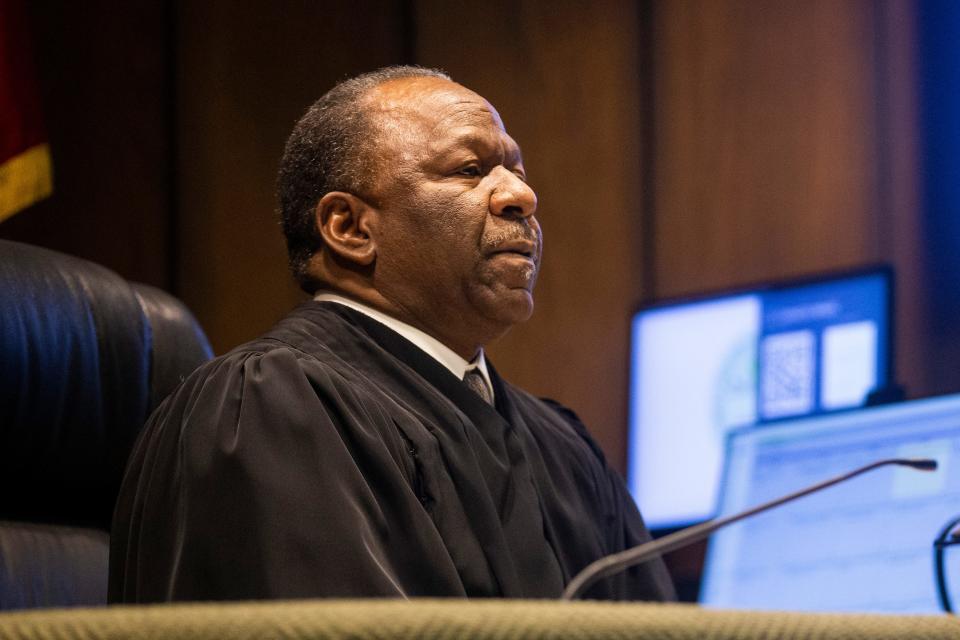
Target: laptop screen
861	546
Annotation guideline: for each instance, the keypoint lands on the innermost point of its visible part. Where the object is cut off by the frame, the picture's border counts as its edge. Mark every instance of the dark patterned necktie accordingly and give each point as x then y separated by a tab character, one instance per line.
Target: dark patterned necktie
474	380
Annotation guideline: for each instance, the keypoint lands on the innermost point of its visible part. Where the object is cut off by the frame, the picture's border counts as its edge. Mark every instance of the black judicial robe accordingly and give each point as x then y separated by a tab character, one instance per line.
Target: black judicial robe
332	457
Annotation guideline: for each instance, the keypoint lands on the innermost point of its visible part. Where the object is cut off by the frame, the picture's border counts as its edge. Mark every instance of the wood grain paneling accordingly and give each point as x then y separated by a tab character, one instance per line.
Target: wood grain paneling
765	133
784	142
900	212
247	72
103	74
564	76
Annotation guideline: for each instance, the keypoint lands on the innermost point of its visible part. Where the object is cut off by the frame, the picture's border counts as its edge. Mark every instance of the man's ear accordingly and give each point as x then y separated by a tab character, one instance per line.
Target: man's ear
344	222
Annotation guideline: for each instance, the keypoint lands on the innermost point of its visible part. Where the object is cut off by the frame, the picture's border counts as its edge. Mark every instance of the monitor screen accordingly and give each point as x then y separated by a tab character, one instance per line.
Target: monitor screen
700	367
861	546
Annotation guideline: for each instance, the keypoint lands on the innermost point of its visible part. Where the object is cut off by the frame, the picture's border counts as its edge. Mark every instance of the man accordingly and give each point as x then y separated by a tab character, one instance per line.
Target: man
364	446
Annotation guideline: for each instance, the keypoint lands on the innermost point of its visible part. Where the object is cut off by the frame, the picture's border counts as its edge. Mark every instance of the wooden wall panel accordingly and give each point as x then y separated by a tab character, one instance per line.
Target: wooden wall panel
901	213
765	140
564	76
784	142
247	72
103	75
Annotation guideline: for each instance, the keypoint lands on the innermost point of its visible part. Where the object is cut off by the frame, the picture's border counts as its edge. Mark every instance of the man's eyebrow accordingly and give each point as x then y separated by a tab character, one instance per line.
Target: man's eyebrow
474	139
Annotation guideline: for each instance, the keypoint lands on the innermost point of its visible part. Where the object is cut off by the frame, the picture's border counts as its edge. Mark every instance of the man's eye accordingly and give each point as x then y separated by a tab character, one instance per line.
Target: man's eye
471	170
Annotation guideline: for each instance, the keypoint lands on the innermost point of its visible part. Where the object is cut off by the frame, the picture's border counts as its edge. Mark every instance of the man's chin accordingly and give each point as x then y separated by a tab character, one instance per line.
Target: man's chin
510	306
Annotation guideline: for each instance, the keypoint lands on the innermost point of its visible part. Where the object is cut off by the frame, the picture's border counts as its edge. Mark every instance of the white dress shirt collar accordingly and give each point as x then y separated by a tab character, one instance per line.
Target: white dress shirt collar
424	341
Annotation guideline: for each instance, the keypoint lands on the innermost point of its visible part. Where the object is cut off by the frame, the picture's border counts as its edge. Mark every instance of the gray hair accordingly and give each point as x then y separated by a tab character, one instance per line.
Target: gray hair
329	150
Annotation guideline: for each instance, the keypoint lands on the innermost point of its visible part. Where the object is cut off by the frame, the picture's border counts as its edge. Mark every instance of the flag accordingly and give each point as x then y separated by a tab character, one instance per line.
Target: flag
25	168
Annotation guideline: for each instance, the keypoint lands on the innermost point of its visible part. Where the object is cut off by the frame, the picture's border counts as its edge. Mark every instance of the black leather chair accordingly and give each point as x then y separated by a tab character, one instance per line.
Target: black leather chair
85	356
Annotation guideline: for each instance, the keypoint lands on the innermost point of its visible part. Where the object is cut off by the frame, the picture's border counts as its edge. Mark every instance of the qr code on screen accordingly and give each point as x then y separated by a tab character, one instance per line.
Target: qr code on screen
786	384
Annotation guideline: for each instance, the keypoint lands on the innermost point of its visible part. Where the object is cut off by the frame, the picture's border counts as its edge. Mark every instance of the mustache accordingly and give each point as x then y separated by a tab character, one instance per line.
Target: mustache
514	233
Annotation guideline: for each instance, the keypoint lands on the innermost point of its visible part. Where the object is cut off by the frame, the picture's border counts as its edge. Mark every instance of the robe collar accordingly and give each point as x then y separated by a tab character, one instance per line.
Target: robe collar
440	352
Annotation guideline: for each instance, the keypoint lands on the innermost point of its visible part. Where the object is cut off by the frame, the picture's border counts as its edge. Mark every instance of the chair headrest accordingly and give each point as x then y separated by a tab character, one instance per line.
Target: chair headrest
178	343
76	354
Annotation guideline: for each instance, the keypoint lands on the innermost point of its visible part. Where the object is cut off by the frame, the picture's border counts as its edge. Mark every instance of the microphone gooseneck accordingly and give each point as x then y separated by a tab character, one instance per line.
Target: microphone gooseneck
617	562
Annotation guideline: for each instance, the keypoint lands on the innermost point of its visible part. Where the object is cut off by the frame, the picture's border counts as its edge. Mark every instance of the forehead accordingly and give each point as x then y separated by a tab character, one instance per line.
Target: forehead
421	114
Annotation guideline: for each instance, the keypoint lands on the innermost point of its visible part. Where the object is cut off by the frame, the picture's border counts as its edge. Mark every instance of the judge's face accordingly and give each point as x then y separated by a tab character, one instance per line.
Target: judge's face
458	246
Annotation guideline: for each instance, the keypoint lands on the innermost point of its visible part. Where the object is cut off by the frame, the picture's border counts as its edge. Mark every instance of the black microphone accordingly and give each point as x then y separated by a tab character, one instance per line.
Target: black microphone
617	562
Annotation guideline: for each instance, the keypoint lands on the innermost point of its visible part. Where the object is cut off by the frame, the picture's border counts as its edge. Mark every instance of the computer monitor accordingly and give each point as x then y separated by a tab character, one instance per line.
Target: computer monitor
861	546
702	366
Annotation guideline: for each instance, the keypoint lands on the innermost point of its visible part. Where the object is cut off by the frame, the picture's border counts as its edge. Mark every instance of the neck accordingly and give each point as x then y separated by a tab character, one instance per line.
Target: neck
467	347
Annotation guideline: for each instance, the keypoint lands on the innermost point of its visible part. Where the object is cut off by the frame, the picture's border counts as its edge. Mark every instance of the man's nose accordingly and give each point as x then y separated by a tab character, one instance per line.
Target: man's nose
512	197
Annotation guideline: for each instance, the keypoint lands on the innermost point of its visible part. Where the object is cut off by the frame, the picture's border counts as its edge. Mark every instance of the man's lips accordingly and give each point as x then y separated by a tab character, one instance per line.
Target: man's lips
525	248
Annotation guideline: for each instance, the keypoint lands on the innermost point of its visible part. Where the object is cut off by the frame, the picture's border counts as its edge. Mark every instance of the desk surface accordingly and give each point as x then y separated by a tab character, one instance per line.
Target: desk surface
459	619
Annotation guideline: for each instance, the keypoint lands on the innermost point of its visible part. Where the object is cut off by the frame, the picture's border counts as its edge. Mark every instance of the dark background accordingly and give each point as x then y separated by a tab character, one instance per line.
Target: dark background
676	146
